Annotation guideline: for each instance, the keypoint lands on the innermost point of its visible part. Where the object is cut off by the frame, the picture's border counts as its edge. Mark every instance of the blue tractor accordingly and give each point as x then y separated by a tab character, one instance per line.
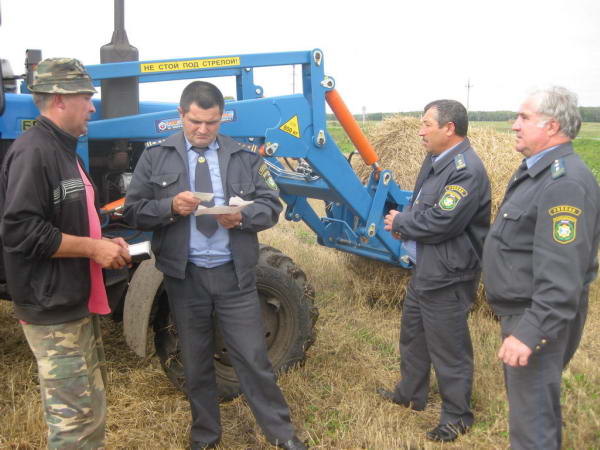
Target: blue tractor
289	131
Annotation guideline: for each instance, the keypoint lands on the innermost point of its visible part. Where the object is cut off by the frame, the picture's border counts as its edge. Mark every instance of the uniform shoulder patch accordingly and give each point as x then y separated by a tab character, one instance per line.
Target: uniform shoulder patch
150	144
558	168
564	223
459	162
453	194
264	172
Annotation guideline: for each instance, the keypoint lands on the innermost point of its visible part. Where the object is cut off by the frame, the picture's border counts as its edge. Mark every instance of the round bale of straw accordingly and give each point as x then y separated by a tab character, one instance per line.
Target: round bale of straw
399	147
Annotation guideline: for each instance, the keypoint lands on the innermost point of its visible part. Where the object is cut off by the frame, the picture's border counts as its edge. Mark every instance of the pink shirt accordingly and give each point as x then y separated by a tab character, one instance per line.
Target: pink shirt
98	301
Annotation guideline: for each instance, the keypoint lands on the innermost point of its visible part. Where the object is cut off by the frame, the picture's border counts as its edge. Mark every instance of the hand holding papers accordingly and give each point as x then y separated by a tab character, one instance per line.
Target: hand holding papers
139	251
204	196
236	204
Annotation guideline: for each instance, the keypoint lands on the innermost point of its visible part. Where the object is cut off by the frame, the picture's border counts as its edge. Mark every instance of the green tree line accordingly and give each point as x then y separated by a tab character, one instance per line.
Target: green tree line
588	114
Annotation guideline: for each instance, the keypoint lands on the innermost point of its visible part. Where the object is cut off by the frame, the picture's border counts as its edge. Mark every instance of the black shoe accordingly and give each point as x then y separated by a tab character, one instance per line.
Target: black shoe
389	396
198	445
447	432
293	444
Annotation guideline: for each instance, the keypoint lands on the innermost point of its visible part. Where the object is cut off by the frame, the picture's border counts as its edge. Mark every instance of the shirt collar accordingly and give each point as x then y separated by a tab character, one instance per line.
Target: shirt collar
214	145
444	153
535	158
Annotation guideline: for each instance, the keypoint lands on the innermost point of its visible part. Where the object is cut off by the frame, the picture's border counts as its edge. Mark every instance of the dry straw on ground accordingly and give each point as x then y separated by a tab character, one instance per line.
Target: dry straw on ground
332	397
400	150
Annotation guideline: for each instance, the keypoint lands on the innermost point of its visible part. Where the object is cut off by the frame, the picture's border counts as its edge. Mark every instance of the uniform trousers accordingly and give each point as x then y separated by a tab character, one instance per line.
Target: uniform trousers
193	301
434	331
533	390
73	395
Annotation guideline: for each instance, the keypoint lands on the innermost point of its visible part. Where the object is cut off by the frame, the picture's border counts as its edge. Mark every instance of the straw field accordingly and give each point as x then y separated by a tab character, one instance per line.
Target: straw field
332	396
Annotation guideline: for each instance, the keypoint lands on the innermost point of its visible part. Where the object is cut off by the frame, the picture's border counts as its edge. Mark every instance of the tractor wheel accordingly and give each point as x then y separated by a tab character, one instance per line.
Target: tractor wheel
289	317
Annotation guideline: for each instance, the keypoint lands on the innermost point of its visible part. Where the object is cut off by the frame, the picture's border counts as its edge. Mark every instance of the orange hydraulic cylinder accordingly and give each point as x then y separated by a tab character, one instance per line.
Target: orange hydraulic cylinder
346	119
112	206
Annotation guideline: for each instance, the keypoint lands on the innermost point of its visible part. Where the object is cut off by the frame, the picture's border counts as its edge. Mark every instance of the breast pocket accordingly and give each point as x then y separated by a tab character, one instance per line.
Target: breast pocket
165	185
510	222
243	190
425	201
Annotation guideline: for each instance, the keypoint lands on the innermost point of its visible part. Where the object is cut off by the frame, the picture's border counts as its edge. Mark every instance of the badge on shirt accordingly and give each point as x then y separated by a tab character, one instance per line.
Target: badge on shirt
452	195
564	225
264	172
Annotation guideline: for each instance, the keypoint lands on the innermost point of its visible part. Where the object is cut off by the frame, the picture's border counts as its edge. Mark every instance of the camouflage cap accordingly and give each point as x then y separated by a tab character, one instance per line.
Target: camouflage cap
61	76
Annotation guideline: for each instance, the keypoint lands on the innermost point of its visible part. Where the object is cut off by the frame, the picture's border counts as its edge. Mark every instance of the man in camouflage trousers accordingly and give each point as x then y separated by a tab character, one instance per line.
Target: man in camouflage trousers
54	254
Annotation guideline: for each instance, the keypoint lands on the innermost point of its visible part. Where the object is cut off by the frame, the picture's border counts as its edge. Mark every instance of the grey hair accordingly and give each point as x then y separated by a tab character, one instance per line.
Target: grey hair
42	99
560	104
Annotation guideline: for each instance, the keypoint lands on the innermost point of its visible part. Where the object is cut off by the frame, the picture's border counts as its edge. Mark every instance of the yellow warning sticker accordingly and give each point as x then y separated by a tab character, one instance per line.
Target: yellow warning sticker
192	64
291	127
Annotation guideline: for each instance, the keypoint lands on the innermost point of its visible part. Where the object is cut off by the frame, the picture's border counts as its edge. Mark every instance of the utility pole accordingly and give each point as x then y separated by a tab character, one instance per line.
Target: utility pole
468	86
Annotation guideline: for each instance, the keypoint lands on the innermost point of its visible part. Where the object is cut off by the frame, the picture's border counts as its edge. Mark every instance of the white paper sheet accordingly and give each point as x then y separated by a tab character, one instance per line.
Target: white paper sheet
236	204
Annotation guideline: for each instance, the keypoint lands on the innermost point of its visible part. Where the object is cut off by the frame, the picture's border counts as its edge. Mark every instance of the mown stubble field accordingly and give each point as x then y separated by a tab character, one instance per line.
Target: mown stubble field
332	396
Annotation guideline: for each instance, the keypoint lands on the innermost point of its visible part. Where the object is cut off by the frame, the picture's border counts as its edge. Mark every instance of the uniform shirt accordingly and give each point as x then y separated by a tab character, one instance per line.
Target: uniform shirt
541	253
450	218
535	158
410	246
208	251
161	173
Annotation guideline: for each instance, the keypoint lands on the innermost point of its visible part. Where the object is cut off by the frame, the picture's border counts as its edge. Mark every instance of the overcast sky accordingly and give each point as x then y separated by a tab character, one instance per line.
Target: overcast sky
383	57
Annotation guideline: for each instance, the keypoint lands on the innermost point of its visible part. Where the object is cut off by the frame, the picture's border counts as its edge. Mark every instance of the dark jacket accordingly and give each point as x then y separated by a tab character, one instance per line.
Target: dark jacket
541	254
41	196
162	172
449	219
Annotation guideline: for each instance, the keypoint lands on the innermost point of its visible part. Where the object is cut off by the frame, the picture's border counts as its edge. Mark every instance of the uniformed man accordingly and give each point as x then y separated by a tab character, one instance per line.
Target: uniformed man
210	261
443	230
538	262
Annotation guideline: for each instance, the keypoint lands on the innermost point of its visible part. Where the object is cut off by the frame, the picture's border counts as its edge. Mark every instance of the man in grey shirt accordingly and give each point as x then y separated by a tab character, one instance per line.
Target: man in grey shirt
538	262
443	230
210	261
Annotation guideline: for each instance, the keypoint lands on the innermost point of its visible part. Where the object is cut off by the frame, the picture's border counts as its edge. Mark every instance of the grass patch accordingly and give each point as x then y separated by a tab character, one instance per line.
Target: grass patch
502	126
589	150
378	344
341	139
306	236
589	130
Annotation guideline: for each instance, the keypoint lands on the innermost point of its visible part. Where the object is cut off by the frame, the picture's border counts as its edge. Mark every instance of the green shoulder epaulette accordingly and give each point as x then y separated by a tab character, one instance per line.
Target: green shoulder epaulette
459	162
558	168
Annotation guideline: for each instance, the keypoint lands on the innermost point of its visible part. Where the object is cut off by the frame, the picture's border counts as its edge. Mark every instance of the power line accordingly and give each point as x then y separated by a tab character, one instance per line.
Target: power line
468	86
